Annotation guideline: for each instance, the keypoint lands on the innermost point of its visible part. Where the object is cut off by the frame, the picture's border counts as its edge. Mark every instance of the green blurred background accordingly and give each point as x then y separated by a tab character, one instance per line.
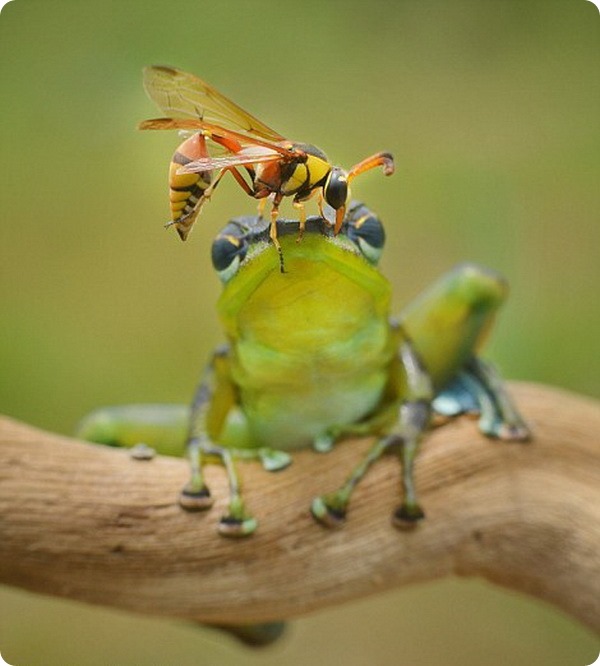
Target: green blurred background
492	109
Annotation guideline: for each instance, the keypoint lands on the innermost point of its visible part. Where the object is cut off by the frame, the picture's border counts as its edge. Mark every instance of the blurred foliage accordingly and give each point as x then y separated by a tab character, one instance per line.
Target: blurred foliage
492	111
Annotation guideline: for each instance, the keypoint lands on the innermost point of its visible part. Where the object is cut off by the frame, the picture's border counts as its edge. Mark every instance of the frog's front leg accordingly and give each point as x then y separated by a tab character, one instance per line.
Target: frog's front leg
413	415
218	430
212	406
196	496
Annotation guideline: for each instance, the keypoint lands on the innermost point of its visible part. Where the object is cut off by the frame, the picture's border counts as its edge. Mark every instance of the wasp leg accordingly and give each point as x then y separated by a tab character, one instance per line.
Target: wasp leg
405	435
261	207
320	203
273	229
236	174
299	206
478	389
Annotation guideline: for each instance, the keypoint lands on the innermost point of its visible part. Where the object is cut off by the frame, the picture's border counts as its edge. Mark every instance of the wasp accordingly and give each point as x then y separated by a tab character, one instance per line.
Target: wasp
263	162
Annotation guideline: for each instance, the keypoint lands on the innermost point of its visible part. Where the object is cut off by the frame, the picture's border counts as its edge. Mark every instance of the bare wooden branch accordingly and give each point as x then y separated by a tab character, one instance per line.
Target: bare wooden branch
88	523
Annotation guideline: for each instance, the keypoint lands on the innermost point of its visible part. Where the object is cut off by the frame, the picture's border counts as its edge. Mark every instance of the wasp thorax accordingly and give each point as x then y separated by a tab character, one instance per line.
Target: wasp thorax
336	188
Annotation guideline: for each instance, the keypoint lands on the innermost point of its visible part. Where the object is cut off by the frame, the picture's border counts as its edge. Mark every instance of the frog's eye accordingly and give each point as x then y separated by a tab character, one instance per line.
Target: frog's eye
228	252
369	235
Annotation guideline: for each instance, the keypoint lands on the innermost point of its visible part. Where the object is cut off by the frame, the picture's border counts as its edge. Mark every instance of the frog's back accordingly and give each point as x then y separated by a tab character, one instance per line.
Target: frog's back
311	347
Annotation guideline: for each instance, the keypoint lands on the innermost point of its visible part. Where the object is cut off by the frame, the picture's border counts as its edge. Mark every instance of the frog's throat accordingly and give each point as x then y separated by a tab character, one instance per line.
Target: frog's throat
311	266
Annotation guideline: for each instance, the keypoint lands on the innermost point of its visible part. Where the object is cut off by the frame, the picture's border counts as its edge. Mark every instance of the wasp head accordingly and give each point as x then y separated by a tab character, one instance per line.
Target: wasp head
335	192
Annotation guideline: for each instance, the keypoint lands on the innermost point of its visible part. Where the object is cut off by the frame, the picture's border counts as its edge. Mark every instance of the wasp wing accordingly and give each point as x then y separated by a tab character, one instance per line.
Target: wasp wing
185	124
246	157
216	132
183	95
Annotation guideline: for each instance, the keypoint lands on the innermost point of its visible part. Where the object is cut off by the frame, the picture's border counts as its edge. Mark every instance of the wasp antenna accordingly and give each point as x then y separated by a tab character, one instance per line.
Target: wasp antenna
385	160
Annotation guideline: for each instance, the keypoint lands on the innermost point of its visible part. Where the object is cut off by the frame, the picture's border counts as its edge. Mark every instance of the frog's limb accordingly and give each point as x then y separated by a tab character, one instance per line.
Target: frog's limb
449	324
160	427
218	430
413	418
214	402
478	389
196	496
254	635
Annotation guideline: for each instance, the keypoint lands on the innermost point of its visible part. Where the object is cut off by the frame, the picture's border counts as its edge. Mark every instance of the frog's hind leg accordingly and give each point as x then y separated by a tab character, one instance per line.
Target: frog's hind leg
449	324
161	428
478	389
404	437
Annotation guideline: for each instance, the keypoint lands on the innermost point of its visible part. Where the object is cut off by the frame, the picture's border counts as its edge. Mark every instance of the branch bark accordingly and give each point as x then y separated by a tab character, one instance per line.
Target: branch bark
88	523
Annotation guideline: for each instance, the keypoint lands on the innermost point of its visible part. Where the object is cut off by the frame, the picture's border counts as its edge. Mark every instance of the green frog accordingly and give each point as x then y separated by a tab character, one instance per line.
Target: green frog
313	357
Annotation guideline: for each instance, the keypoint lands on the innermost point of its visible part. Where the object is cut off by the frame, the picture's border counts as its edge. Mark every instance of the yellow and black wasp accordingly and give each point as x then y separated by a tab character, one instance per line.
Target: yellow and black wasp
275	166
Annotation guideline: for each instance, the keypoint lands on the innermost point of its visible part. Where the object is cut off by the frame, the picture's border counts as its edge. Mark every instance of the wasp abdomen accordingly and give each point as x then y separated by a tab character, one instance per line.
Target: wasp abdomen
186	190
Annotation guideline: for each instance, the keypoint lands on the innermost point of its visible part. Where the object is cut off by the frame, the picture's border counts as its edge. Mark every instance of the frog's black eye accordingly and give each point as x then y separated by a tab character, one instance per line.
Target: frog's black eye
335	189
368	234
228	252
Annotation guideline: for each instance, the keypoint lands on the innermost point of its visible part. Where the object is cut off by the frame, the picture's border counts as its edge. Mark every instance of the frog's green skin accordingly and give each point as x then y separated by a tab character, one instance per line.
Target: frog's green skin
313	356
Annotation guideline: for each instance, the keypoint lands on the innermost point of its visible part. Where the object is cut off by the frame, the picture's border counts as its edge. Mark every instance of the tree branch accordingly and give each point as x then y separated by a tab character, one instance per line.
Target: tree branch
86	522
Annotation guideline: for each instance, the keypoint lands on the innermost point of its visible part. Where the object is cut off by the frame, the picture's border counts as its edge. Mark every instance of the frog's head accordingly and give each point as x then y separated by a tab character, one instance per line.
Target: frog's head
246	239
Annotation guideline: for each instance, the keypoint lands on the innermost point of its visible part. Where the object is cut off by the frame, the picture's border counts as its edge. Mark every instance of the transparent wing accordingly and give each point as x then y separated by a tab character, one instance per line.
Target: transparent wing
183	95
216	133
246	157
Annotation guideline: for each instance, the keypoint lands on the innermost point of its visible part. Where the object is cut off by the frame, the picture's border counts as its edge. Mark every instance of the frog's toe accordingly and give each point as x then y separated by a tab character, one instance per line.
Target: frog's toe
274	461
514	432
407	516
230	526
195	499
327	515
507	431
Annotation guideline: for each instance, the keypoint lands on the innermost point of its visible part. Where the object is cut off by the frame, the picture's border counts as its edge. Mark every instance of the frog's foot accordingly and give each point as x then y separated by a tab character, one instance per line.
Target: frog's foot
141	451
273	460
330	510
195	496
237	522
407	515
324	442
195	499
413	418
479	390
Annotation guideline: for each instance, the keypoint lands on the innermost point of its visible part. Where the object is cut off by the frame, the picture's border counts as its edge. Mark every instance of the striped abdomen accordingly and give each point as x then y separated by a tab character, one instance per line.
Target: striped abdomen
186	190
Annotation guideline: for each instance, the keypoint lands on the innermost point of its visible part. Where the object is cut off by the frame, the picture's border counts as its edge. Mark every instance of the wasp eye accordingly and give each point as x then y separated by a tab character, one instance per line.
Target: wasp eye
368	234
228	252
336	188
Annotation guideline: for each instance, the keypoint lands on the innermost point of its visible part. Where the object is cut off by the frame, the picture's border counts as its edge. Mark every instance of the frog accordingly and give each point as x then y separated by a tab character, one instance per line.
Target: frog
313	357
